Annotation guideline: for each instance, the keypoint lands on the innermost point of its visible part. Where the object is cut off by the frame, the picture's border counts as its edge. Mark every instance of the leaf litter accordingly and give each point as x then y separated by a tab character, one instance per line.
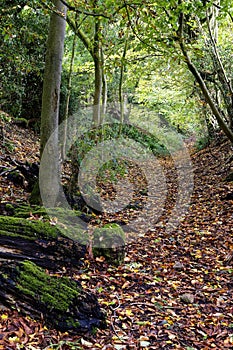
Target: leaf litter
174	290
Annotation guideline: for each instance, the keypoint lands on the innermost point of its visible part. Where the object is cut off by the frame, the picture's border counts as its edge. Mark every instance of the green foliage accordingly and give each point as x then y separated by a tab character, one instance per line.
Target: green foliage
113	131
9	146
112	170
23	30
202	142
4	117
117	166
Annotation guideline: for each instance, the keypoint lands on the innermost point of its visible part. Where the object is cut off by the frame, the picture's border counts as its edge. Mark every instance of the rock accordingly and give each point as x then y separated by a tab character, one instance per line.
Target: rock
178	266
187	298
109	242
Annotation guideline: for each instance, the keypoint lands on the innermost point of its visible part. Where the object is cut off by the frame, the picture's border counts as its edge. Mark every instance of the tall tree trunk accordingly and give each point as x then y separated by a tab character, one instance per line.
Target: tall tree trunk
222	124
121	95
49	170
98	75
105	87
225	81
68	97
94	46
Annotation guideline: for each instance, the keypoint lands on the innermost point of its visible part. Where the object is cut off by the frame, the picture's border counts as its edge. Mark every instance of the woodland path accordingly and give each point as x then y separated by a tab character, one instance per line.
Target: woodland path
174	291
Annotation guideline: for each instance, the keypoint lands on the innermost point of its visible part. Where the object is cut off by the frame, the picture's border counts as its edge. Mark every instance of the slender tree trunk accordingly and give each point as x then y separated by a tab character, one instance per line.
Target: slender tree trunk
222	124
98	75
121	95
192	68
105	87
49	169
226	86
68	96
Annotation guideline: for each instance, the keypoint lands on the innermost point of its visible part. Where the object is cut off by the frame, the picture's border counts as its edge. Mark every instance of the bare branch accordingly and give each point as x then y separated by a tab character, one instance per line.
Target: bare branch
93	14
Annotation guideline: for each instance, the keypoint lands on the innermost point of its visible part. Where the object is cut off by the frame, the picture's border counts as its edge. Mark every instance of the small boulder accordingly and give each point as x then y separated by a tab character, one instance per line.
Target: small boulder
109	242
187	298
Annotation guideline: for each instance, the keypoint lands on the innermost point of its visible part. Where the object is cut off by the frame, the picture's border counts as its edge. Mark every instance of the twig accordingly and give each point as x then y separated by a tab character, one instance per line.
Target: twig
162	306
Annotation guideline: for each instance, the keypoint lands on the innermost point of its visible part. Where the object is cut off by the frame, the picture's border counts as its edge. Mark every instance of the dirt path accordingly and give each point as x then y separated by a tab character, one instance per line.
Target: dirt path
174	290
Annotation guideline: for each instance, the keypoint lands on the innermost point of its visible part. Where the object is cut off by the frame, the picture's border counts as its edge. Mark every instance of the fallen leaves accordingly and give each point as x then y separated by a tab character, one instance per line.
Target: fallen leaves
174	291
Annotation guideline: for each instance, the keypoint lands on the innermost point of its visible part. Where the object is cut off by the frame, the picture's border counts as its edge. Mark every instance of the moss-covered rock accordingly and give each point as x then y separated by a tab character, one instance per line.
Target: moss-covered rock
61	300
109	242
53	293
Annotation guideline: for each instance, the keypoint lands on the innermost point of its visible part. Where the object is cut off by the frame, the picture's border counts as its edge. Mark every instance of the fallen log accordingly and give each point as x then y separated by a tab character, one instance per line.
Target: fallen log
61	301
40	242
31	253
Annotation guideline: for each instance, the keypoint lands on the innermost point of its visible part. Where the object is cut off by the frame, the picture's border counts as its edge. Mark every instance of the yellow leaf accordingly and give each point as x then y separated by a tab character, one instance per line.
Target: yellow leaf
128	312
4	317
14	339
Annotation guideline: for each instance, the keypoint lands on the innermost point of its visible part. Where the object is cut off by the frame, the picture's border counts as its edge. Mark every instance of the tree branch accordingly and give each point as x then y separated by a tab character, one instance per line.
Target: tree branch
202	84
93	14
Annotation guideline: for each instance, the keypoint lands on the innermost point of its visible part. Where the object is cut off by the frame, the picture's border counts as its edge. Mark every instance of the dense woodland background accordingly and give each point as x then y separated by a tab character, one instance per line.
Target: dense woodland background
160	74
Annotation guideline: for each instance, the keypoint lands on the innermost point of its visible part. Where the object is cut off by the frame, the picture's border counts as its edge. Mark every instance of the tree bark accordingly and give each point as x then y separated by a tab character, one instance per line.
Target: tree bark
104	89
27	248
49	174
60	302
98	75
68	97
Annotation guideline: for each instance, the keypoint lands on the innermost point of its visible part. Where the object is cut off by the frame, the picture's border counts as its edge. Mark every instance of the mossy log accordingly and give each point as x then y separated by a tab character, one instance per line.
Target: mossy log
40	242
61	300
31	241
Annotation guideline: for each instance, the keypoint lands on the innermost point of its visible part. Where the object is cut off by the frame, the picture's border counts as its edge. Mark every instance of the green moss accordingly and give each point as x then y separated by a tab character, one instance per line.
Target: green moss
65	215
9	206
21	122
28	228
103	235
35	197
65	223
109	241
10	234
53	292
25	211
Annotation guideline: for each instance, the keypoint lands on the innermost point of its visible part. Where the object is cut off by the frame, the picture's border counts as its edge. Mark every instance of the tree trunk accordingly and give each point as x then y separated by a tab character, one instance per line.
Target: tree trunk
98	75
104	89
121	95
49	150
192	68
68	97
228	132
225	81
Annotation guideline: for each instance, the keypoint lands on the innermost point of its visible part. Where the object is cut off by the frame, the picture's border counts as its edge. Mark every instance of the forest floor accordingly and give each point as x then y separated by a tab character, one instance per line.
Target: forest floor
174	290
